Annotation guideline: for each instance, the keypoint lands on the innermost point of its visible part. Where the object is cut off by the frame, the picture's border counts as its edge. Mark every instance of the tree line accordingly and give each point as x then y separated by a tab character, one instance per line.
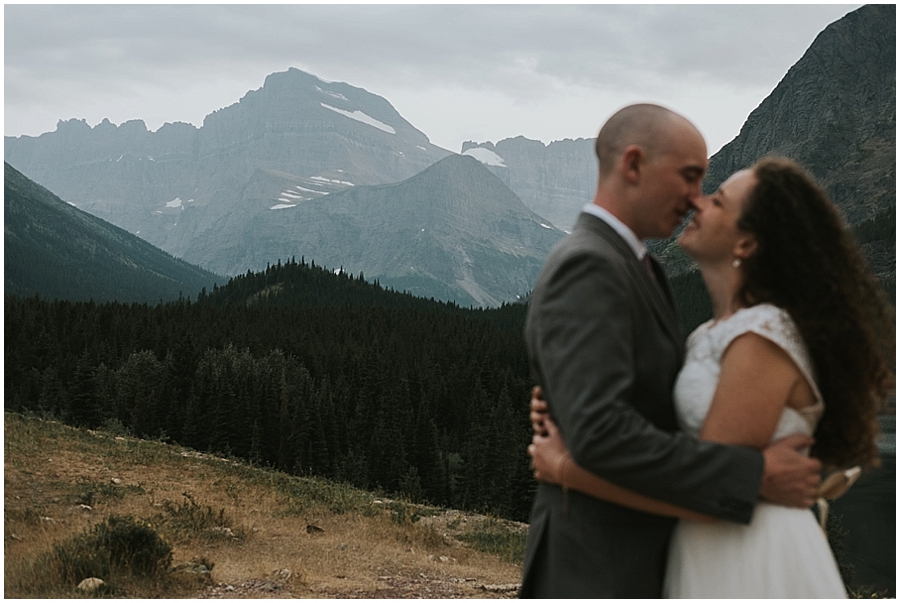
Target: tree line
307	370
298	369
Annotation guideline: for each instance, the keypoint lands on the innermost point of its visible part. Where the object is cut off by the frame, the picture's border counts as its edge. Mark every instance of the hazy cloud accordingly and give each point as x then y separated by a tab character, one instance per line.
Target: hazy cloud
477	66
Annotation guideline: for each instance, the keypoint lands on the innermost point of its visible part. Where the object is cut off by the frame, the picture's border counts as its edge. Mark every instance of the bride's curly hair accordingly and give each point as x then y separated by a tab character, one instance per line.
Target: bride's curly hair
808	263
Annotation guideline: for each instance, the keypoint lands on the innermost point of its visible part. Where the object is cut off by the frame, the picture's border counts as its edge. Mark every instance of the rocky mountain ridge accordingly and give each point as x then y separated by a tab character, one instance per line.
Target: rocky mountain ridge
835	113
325	132
60	252
553	180
297	142
294	169
452	232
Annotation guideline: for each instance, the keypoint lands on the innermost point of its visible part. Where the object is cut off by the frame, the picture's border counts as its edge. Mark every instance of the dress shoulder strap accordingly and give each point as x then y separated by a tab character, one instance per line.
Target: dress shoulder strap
776	325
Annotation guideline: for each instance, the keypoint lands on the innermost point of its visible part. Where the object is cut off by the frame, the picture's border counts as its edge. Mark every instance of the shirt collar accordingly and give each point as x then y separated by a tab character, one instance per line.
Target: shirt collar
616	224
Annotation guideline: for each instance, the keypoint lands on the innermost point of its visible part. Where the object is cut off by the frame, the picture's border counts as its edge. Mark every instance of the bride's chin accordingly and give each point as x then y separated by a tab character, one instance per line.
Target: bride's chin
686	248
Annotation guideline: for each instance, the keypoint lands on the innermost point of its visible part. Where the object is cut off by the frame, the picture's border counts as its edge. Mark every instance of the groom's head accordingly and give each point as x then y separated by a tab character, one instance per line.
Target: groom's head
652	161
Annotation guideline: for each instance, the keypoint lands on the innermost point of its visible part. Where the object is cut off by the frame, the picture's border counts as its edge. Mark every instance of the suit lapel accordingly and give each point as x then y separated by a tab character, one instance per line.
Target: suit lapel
657	293
662	294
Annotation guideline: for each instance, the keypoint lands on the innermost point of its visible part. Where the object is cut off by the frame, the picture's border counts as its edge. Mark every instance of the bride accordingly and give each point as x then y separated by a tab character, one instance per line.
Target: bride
797	344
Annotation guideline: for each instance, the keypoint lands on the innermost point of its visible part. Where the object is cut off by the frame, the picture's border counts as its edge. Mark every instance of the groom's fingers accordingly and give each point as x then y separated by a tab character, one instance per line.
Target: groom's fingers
790	477
798	441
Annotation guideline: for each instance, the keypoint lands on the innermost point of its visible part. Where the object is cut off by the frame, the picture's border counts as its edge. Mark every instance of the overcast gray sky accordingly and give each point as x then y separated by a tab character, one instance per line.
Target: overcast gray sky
456	72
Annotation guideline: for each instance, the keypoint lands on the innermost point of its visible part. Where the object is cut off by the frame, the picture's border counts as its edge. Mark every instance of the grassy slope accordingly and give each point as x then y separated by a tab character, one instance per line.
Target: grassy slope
60	481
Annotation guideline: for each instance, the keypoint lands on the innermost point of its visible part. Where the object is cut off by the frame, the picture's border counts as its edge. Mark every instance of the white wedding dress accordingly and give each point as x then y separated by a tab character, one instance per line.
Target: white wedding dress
783	553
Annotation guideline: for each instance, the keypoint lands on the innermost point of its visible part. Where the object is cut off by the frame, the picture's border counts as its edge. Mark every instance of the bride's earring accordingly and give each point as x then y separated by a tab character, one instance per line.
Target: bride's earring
736	263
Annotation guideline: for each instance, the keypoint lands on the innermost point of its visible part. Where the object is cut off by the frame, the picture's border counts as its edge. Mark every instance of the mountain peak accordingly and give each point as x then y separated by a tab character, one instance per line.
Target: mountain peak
835	113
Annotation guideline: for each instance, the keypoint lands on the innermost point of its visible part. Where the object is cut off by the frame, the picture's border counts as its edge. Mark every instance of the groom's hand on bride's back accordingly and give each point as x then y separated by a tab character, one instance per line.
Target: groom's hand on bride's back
790	479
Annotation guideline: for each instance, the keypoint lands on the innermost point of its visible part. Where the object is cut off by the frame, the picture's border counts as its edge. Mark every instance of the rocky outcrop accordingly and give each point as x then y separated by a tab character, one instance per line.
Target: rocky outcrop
452	232
835	113
59	251
553	180
296	124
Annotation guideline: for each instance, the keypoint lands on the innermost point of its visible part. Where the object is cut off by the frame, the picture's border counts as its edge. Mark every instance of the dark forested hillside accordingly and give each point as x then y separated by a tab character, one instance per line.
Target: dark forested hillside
309	371
299	369
58	251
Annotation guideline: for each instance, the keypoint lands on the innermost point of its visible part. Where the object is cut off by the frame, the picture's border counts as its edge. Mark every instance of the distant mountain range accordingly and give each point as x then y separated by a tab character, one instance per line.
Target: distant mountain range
60	252
452	232
554	180
330	172
167	185
302	168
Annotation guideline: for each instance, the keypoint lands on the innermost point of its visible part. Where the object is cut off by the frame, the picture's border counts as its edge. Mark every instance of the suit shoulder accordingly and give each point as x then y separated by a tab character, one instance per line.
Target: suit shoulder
585	244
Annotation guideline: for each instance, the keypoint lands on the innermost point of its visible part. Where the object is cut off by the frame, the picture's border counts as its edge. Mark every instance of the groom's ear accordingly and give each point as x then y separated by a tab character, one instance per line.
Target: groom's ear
631	162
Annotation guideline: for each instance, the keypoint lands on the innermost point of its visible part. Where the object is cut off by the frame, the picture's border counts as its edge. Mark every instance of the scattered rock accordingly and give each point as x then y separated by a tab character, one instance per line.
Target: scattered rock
311	529
84	507
499	588
222	531
116	481
90	584
191	568
282	575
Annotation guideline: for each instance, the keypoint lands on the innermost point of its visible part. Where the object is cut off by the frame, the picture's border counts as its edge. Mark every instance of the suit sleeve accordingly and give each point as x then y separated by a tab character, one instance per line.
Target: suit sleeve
586	335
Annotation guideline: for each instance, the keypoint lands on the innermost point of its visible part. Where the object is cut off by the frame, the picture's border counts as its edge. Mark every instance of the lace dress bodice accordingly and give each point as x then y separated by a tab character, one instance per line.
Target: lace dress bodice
696	384
782	553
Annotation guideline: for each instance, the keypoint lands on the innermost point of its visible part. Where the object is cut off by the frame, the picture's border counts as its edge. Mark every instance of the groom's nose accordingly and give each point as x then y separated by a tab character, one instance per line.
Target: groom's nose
701	202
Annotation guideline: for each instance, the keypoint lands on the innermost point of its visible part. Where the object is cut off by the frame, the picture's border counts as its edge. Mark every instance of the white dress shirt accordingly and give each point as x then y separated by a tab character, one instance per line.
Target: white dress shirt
616	224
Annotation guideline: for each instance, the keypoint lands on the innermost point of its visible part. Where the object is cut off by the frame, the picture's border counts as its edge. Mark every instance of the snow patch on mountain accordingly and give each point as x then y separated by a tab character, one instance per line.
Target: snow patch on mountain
363	118
321	179
486	156
293	195
333	94
309	190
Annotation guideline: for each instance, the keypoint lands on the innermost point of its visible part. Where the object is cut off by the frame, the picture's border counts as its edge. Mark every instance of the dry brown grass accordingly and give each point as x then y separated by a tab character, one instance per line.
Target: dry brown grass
335	540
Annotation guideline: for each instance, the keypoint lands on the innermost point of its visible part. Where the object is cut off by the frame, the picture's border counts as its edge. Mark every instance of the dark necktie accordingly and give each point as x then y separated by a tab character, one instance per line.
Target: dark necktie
649	266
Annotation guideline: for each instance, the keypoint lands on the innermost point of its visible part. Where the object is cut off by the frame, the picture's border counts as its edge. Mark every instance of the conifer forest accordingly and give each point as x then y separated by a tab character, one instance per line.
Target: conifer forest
307	370
298	369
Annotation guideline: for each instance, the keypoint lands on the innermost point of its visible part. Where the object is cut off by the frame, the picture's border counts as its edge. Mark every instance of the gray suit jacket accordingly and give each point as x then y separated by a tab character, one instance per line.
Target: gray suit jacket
604	343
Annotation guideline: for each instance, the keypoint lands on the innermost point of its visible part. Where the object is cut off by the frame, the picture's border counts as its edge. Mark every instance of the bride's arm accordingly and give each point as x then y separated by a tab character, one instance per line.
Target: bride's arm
552	464
757	380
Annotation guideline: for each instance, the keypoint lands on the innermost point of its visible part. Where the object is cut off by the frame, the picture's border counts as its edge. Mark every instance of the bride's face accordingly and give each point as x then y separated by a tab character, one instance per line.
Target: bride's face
712	235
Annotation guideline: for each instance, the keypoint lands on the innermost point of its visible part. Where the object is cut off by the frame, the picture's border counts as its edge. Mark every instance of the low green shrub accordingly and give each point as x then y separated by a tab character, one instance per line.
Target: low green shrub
495	538
118	547
189	519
